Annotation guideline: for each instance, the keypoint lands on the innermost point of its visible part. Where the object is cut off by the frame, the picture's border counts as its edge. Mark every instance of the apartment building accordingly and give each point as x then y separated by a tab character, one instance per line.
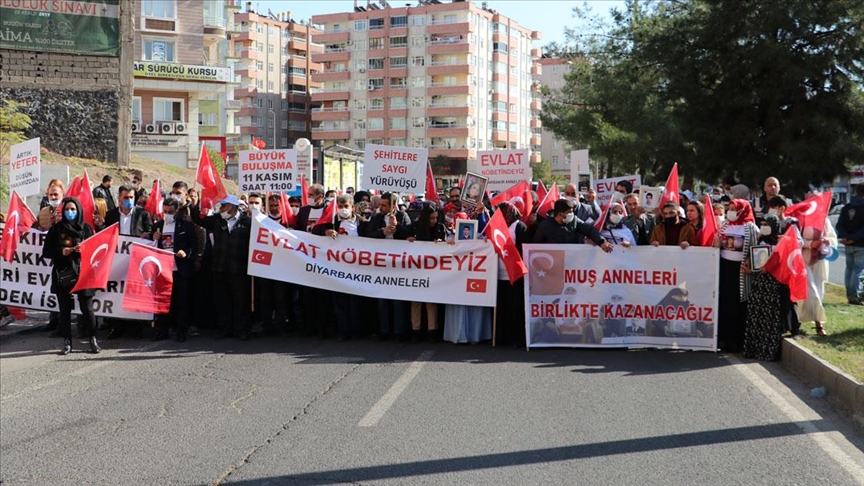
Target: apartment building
273	59
453	77
555	151
183	90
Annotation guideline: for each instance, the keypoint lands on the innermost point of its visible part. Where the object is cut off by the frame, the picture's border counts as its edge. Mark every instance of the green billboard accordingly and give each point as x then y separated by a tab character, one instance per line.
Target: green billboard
74	26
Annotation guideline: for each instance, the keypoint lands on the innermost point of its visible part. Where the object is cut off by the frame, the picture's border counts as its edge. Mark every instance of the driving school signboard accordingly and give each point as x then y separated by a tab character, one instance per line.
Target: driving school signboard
503	168
465	274
26	281
579	296
394	169
267	171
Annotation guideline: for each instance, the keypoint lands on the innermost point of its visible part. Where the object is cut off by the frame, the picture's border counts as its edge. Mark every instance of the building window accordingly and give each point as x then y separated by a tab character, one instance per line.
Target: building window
253	120
418	19
417	102
360	25
418	122
360	45
401	21
376	84
399	102
270	104
418	40
259	83
377	43
269	122
360	124
418	60
399	41
259	65
376	141
554	160
376	104
398	83
359	104
397	142
168	109
136	109
160	9
376	24
450	19
284	125
336	28
376	124
269	67
158	50
284	142
398	62
376	63
360	143
397	123
284	104
418	81
259	102
419	143
259	46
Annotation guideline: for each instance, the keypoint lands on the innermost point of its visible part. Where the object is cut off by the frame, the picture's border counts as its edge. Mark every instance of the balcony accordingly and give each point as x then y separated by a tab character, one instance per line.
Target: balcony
535	35
233	105
536	69
535	140
443	89
248	110
463	68
448	110
250	54
332	54
246	91
325	109
536	105
536	123
442	27
331	114
536	52
447	45
246	35
458	152
333	37
322	133
331	76
250	130
331	95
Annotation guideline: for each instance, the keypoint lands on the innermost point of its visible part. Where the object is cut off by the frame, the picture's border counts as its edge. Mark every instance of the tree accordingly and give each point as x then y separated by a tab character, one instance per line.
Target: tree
13	123
218	160
542	171
730	89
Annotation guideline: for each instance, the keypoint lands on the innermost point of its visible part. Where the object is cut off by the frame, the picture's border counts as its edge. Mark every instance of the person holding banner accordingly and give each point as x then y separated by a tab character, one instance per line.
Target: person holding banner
308	215
614	230
62	247
177	235
428	229
696	219
563	227
510	300
672	231
638	220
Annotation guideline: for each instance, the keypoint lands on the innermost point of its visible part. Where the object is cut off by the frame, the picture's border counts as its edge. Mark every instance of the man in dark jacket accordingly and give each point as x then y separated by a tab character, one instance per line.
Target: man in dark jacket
309	214
638	221
177	235
103	191
563	227
231	284
850	232
134	221
391	224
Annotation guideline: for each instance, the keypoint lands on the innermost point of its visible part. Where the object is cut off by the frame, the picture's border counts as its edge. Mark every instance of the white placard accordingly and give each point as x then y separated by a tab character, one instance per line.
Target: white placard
25	167
606	187
395	169
265	171
578	163
503	168
303	147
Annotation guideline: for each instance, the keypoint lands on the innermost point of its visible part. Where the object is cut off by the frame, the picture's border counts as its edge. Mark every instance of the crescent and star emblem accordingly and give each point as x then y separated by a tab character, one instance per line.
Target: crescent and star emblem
473	285
541	256
790	261
811	208
144	261
99	249
259	257
12	227
500	243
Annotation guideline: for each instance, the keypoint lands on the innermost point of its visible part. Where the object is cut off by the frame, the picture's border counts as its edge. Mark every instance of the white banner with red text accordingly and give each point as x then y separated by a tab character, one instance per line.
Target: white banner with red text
606	187
579	296
465	274
26	281
503	168
394	169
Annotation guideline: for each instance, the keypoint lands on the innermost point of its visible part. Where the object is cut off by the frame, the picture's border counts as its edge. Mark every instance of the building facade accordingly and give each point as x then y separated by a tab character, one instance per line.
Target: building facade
452	77
555	151
272	57
183	90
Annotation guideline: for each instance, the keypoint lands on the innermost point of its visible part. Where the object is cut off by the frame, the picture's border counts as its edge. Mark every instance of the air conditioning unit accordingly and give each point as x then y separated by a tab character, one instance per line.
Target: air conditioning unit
136	127
361	70
181	129
166	127
151	129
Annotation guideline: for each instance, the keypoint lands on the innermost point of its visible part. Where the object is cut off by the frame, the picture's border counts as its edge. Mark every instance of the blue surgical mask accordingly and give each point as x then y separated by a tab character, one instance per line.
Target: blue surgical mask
128	204
70	214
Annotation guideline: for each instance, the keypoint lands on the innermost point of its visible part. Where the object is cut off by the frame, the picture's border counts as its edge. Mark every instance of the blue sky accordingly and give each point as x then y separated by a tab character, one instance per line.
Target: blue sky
549	17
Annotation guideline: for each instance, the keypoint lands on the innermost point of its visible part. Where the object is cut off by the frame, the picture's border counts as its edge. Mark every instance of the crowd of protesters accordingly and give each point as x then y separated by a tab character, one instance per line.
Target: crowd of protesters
212	250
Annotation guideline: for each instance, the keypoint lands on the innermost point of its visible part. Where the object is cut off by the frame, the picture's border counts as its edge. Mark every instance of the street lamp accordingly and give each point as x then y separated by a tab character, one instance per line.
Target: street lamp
271	112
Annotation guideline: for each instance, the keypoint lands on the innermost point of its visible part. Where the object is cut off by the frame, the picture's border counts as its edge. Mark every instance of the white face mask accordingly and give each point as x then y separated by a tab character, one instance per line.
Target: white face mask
177	197
345	213
615	218
169	218
226	215
569	218
765	230
732	216
774	212
295	210
53	202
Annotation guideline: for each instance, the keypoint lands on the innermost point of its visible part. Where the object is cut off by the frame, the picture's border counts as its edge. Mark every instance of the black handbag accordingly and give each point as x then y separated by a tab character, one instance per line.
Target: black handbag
66	278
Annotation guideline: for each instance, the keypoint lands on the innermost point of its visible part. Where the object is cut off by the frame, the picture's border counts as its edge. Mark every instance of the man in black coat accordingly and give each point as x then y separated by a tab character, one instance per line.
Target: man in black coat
563	227
231	284
308	215
638	221
134	221
391	224
177	235
103	191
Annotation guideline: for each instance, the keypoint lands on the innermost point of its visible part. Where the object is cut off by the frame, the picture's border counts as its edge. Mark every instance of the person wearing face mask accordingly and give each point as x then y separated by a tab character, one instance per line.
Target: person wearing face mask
640	222
178	236
672	231
614	230
563	227
273	298
308	215
231	284
63	247
254	205
50	212
738	234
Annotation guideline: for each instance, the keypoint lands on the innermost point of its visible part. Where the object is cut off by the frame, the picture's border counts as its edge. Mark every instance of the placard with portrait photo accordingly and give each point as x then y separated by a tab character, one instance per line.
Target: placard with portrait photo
474	189
583	182
466	229
649	197
759	256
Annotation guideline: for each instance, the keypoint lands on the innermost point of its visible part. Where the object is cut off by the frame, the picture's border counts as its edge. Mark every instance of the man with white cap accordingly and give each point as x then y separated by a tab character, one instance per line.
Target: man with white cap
230	228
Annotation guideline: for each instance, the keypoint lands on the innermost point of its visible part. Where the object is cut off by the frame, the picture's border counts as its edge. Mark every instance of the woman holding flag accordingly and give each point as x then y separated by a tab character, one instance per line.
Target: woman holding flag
63	248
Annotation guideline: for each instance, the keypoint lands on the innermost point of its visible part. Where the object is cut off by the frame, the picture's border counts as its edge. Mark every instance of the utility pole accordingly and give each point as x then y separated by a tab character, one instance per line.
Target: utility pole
127	82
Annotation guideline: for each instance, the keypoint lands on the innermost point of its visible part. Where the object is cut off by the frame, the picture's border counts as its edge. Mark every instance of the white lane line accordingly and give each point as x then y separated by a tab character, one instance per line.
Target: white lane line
822	439
376	413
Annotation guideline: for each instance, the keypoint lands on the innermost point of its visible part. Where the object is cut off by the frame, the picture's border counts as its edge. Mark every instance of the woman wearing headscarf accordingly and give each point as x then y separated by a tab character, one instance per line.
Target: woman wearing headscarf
613	229
736	237
63	247
817	245
465	323
428	228
769	304
510	300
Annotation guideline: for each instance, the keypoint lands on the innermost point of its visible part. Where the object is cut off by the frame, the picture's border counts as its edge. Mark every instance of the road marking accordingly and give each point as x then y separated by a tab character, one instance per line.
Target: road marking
822	439
376	413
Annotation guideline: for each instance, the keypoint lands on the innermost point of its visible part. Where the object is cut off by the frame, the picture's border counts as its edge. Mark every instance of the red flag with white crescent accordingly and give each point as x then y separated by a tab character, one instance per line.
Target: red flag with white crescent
97	256
80	190
19	220
154	201
786	264
149	280
709	225
548	203
541	190
811	212
431	190
328	215
498	233
212	189
670	192
519	196
288	218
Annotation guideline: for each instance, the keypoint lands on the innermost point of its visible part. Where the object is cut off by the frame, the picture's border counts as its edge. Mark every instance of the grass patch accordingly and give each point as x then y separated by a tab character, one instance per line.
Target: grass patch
844	345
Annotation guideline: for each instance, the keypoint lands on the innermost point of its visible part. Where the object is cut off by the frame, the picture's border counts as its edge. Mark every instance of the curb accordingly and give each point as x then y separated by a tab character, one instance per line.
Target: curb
814	371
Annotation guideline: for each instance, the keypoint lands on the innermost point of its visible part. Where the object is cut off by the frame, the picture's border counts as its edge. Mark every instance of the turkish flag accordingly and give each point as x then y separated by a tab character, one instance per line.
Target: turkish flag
97	256
328	215
288	218
18	222
212	189
548	203
80	190
304	189
262	257
154	202
670	193
541	190
149	280
786	264
431	189
498	233
258	143
709	225
519	196
477	285
811	212
599	223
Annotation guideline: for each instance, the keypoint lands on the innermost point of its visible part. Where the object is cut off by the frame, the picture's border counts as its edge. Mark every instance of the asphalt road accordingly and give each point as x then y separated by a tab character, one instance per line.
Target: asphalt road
307	411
